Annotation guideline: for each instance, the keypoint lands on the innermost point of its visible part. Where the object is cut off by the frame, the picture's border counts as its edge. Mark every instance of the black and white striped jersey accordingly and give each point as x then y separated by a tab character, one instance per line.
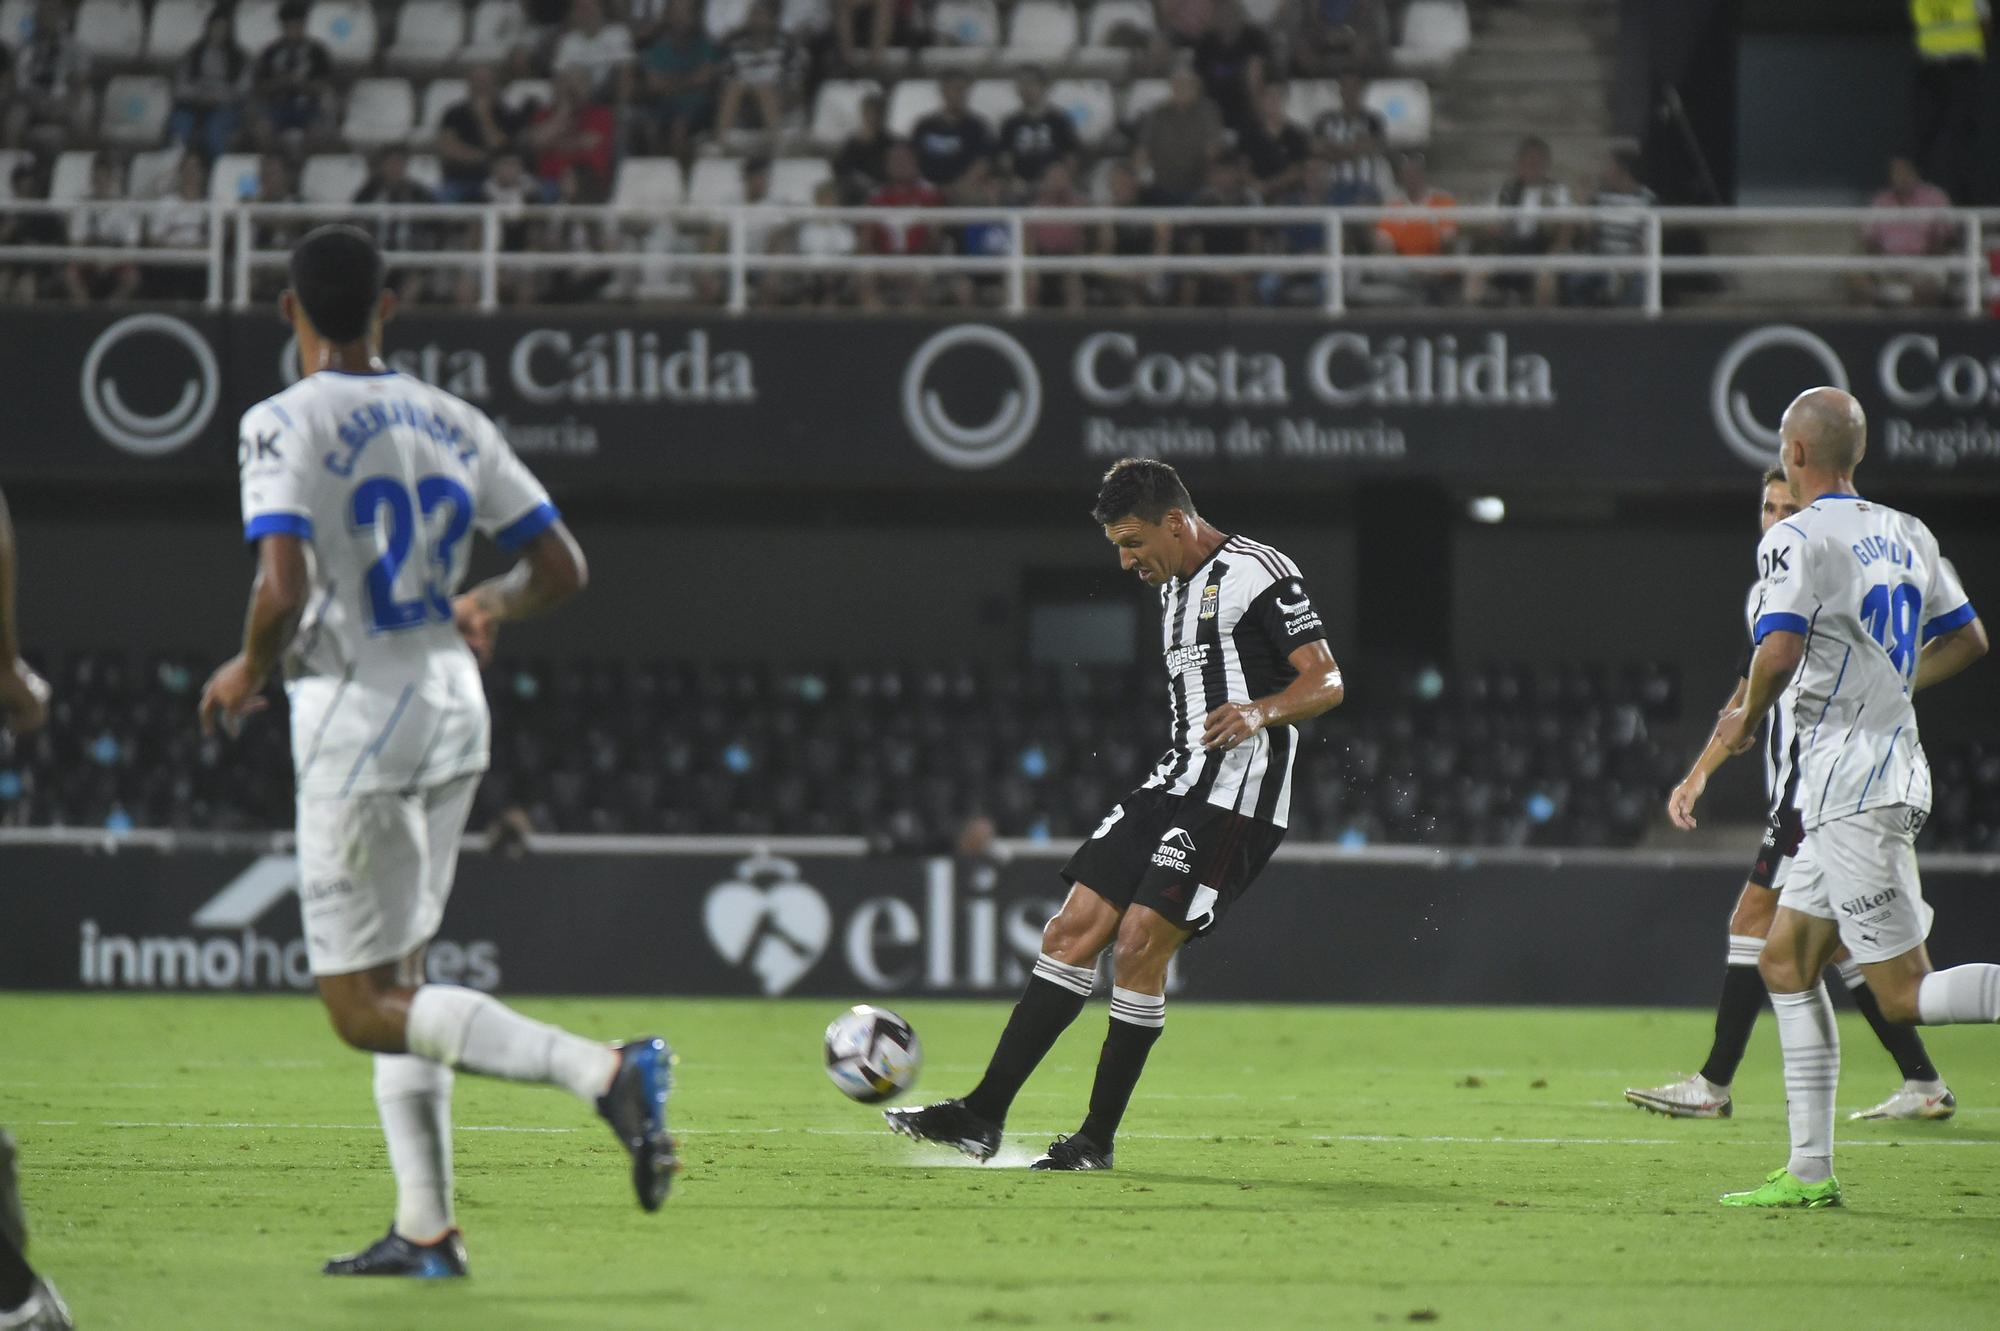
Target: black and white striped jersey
1781	757
1228	631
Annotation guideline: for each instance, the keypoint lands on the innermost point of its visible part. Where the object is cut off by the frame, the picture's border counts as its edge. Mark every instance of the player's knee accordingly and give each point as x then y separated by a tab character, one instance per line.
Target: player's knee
1781	973
1139	956
1754	911
360	1020
1074	938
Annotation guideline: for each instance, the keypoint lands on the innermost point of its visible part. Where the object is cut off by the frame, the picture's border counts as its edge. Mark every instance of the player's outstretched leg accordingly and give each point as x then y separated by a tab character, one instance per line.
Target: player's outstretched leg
27	1301
1923	1094
1706	1094
413	1097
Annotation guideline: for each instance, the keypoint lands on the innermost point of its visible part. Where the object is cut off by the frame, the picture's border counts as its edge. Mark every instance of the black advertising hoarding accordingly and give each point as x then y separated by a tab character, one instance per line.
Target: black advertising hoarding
625	398
848	929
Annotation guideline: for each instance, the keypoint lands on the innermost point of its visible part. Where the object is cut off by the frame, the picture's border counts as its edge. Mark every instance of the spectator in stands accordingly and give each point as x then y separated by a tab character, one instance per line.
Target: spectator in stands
180	222
1179	139
1355	139
1906	238
1334	36
644	20
871	25
683	69
1531	192
1622	235
808	25
764	68
1127	240
51	83
987	237
508	186
1947	89
602	50
1416	237
547	21
276	183
951	139
823	238
294	84
1037	134
1057	189
1228	187
390	182
579	185
106	220
1312	187
572	130
862	163
475	134
1233	59
1274	147
900	236
1183	21
28	281
764	232
210	85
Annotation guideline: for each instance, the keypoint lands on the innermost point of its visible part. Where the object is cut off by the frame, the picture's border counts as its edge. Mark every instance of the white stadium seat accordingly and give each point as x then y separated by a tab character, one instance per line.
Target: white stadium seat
428	34
135	108
649	183
837	110
233	177
9	159
995	100
522	93
793	179
1263	13
440	95
1042	32
427	170
498	26
723	17
717	182
967	33
379	111
175	28
256	26
912	100
1090	105
154	174
70	180
333	177
1405	108
1309	99
1435	33
348	29
17	22
1141	96
111	30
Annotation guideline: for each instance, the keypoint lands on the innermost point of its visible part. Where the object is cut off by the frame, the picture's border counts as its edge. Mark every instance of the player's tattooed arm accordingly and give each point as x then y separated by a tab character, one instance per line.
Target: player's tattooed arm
1316	688
550	571
24	697
1680	804
277	602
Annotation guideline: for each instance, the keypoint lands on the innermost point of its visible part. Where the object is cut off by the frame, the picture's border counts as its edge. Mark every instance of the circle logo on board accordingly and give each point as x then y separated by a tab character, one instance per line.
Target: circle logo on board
1012	419
1730	394
166	347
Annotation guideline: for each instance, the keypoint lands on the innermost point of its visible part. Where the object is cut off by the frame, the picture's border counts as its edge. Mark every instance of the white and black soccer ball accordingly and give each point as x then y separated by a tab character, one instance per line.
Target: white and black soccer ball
872	1054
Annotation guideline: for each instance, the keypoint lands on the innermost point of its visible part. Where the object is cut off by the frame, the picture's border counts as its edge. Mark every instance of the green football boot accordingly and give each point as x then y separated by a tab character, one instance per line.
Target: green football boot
1781	1189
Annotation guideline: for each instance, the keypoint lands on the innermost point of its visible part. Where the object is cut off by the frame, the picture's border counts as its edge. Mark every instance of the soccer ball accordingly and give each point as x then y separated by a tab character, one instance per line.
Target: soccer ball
872	1054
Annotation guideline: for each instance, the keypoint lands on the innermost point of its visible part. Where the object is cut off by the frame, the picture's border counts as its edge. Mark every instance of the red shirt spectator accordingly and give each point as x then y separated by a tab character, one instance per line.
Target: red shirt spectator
904	189
572	131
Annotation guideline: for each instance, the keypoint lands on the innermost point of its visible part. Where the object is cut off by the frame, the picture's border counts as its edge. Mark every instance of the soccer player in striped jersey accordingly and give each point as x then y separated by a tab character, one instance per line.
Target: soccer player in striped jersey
362	488
1246	660
1860	608
1706	1094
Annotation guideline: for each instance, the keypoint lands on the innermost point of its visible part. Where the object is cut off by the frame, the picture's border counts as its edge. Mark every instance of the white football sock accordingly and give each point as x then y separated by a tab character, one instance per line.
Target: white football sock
1744	949
413	1095
1811	1045
1961	994
1850	973
463	1028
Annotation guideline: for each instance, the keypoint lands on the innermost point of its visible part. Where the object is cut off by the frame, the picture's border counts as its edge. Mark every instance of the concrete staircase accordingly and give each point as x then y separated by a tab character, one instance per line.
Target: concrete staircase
1536	67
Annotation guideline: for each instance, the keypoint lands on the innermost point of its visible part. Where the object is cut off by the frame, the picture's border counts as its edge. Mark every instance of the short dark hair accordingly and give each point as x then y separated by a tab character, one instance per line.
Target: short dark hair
1141	488
1774	476
337	279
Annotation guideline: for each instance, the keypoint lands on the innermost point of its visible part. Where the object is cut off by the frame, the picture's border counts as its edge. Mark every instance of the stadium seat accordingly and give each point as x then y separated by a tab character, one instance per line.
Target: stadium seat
995	99
526	92
348	29
379	112
837	109
498	26
1090	105
9	159
134	109
1141	96
152	174
911	101
70	180
233	177
427	170
1306	100
333	177
256	25
793	179
1263	13
717	182
428	34
1120	23
723	17
1041	32
175	27
113	31
440	95
967	33
1435	33
17	22
648	183
1405	108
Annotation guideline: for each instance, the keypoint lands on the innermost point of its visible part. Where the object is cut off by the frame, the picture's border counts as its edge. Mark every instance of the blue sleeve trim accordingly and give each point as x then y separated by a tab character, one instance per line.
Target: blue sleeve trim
1951	619
527	527
1780	622
285	524
1797	528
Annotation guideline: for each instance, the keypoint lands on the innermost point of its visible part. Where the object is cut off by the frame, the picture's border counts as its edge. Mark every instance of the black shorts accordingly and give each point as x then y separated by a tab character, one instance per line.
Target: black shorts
1782	837
1188	860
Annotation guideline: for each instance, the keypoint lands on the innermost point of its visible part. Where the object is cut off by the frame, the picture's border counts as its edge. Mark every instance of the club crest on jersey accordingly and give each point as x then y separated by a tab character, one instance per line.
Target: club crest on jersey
1210	595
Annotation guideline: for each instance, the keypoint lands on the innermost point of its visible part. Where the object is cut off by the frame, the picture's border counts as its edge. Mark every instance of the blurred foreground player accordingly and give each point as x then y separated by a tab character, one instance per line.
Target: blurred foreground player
1706	1094
361	489
1246	661
27	1301
1856	603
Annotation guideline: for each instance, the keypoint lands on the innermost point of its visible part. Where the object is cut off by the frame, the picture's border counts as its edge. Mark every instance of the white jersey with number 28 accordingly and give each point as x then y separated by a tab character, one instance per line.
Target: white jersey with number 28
385	478
1866	587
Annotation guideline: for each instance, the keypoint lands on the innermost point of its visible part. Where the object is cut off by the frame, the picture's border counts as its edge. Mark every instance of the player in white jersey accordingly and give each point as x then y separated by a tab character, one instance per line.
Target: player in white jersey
1859	605
1706	1094
1246	660
362	488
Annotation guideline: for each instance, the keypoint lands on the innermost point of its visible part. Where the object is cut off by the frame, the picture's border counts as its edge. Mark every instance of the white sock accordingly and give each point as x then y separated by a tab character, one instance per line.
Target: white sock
1961	994
463	1028
1812	1074
1744	949
1137	1008
1076	979
1850	973
413	1095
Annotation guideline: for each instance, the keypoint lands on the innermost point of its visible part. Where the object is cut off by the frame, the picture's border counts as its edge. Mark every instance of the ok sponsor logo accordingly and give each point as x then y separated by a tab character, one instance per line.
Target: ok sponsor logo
178	367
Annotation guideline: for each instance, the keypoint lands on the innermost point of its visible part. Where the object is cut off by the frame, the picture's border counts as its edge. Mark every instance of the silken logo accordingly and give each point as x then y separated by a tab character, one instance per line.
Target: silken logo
150	341
1740	423
986	443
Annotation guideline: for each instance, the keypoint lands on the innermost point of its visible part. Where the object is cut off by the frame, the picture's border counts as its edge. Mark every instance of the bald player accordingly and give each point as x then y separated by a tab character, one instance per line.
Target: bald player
1859	606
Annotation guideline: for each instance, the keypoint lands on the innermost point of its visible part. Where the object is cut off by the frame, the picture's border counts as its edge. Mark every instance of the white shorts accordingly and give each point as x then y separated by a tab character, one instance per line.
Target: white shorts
1861	873
375	871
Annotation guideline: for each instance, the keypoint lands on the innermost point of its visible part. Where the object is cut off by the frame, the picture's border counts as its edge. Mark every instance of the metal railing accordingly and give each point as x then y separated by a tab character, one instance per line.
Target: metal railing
743	244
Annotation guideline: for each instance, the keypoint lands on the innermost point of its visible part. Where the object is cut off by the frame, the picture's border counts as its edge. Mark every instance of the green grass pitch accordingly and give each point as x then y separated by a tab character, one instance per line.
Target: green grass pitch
190	1161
